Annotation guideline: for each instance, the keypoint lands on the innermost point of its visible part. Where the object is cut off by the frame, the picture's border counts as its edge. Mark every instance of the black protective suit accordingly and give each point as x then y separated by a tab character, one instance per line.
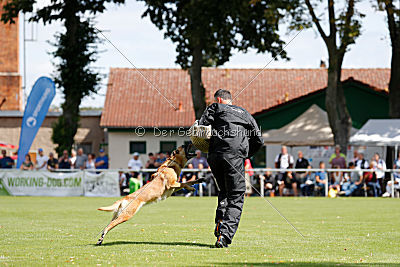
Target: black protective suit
235	137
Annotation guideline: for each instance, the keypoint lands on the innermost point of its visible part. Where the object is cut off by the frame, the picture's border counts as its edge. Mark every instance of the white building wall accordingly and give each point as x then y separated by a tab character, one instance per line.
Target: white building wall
118	144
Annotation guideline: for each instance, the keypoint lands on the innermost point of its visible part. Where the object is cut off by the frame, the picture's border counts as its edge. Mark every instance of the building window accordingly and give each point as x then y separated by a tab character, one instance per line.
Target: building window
167	146
137	146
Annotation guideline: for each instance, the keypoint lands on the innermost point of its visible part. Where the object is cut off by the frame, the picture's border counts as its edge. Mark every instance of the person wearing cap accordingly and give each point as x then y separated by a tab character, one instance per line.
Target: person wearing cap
135	163
235	137
101	161
41	160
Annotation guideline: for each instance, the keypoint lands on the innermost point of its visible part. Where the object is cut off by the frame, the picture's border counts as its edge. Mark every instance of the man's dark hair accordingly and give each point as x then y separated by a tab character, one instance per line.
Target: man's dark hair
150	154
351	164
224	94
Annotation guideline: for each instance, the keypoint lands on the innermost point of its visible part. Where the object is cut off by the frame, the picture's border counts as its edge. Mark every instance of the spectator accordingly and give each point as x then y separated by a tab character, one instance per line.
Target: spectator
27	164
268	183
188	177
396	176
151	162
307	188
355	156
101	161
6	162
160	159
301	163
41	160
351	182
285	179
134	184
64	162
321	177
370	178
361	163
199	159
73	158
338	158
135	163
90	163
336	179
380	172
81	159
123	183
249	176
52	163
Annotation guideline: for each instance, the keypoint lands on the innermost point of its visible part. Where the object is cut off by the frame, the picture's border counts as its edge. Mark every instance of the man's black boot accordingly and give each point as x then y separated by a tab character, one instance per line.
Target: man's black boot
221	242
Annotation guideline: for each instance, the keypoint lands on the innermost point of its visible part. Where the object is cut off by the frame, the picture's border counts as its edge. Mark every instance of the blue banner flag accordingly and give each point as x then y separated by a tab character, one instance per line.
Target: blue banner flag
36	108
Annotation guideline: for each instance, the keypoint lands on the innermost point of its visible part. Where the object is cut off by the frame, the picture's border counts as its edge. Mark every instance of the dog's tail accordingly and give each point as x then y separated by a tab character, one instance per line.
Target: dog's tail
113	207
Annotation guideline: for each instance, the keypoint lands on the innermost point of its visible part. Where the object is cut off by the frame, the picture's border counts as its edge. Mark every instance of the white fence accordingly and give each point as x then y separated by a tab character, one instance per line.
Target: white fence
105	183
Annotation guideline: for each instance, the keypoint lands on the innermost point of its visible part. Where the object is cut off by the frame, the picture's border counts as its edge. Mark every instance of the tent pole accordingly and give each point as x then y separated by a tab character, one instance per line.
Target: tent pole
392	174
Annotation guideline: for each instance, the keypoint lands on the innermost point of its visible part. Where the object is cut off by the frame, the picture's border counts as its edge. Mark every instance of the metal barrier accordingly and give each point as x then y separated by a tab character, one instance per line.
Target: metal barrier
258	171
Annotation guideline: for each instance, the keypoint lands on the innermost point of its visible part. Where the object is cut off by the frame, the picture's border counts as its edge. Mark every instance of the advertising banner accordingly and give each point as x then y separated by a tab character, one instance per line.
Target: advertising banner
45	183
104	184
36	108
42	183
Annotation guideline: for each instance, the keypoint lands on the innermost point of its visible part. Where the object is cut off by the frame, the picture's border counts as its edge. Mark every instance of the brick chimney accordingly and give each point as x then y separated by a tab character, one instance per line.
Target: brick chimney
10	79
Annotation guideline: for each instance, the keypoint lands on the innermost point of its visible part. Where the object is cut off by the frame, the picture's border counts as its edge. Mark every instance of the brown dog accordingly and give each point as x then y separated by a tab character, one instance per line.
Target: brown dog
163	184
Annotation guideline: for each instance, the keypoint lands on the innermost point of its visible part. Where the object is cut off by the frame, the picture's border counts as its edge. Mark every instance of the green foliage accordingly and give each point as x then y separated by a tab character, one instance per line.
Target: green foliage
343	22
219	27
207	32
76	51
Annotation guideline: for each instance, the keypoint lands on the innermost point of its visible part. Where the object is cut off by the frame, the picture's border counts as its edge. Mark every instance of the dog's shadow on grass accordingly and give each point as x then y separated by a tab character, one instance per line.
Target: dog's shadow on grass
115	243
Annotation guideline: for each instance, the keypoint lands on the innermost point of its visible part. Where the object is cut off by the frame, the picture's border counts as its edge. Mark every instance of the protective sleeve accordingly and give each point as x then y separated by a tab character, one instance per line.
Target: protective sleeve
255	139
208	115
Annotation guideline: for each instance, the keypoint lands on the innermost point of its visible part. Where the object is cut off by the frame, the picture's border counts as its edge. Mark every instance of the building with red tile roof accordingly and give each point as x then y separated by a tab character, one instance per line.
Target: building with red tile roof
131	101
135	106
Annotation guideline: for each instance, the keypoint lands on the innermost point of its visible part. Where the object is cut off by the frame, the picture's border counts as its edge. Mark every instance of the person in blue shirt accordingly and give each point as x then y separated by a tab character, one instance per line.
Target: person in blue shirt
101	161
6	162
321	177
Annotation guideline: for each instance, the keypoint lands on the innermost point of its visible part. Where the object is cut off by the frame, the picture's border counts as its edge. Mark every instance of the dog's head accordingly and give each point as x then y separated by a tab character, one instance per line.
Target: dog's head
181	155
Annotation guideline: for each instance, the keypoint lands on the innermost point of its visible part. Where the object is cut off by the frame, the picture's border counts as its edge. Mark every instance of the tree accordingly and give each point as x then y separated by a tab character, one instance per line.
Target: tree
393	20
344	28
207	31
76	50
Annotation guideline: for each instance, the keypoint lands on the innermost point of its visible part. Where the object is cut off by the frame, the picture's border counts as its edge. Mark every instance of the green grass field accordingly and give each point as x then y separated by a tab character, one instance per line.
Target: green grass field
179	231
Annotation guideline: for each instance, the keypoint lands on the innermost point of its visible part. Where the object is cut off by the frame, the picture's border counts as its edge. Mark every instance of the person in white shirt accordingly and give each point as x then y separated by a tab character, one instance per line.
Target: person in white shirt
379	171
135	163
396	177
41	160
285	161
361	162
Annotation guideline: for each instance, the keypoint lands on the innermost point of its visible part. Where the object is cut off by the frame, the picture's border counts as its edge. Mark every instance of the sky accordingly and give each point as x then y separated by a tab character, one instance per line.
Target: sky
145	46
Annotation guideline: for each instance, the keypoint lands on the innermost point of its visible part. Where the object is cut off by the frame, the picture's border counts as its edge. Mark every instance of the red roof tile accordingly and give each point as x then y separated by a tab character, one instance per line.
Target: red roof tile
131	101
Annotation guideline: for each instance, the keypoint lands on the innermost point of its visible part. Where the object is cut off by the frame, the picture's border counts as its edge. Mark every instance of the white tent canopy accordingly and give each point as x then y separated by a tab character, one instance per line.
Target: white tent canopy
378	133
309	129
